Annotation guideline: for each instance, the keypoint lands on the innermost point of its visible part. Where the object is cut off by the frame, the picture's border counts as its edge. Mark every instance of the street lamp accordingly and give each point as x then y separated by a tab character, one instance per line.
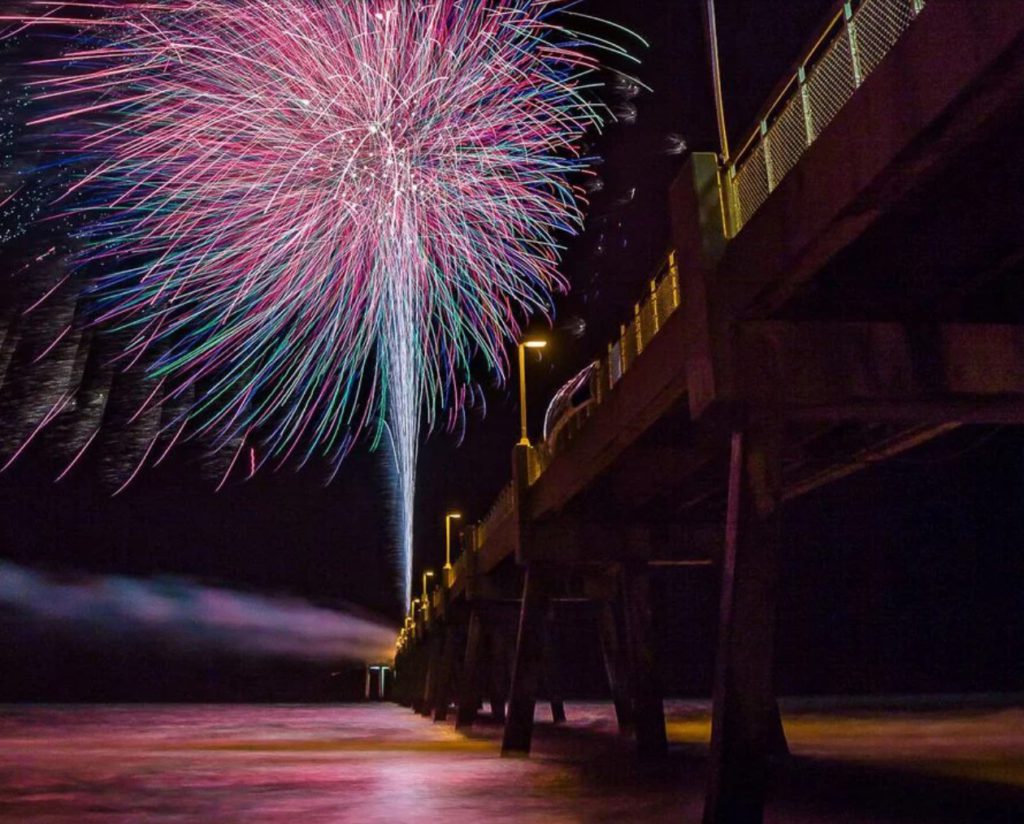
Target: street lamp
451	516
529	343
426	601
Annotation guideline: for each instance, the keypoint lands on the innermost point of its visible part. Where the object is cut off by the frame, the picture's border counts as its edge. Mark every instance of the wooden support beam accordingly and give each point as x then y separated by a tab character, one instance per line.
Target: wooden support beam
499	673
746	726
926	373
435	644
616	666
442	697
469	689
648	705
526	670
568	540
417	685
553	684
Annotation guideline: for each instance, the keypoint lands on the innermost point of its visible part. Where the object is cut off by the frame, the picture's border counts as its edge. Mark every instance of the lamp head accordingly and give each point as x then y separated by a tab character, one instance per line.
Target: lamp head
535	343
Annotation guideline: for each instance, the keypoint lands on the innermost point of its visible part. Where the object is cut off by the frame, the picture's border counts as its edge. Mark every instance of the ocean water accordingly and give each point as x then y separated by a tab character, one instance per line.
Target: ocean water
382	763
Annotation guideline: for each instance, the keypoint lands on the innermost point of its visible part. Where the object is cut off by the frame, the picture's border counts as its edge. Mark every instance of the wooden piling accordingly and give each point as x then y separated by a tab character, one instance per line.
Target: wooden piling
526	670
616	666
746	725
553	685
469	689
648	703
446	676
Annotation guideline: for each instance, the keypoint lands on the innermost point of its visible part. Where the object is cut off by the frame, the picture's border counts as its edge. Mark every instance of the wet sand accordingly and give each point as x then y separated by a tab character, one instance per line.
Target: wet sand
381	763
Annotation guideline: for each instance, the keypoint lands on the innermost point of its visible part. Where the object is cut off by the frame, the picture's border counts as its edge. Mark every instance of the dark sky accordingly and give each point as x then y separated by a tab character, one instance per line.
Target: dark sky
287	532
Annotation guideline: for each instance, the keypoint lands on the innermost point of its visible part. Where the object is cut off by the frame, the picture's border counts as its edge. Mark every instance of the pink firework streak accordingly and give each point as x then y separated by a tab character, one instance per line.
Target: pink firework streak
317	214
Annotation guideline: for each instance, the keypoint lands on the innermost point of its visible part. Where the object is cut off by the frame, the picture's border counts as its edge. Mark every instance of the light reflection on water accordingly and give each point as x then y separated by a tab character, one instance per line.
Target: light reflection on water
381	763
359	763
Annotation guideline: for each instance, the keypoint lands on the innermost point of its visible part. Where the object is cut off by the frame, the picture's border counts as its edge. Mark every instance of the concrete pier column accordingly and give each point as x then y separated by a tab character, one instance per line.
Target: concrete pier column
553	684
435	645
446	675
526	670
648	703
616	666
499	673
746	726
469	688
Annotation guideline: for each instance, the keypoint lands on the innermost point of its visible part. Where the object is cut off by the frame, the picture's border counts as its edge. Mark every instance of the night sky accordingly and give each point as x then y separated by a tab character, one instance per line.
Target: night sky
925	555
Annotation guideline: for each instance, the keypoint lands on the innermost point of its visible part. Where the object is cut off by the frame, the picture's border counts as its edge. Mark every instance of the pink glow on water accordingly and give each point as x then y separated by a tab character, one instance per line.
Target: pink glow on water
375	763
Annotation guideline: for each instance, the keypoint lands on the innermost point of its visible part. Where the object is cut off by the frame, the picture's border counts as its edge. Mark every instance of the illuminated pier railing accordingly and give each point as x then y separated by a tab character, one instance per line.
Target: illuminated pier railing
855	41
660	300
502	509
649	315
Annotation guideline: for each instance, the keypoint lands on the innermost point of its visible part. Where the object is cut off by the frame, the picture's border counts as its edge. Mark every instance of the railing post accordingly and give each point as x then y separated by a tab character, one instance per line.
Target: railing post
851	37
673	268
638	330
767	149
654	306
735	211
805	102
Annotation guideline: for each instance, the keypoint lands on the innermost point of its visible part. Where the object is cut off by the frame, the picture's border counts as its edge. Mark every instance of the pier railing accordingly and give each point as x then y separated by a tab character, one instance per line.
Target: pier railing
660	300
857	38
853	43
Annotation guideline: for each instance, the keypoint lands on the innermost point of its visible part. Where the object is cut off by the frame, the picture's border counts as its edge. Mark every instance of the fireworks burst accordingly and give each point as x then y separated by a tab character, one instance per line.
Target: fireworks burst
307	218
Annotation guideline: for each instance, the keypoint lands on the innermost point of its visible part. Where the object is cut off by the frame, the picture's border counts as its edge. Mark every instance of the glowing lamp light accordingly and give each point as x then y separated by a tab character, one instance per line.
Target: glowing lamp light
451	516
529	343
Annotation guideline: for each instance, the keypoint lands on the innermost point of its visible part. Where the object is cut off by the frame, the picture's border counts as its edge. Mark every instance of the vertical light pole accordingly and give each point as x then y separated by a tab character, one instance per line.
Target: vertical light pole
711	35
412	612
451	516
529	343
426	601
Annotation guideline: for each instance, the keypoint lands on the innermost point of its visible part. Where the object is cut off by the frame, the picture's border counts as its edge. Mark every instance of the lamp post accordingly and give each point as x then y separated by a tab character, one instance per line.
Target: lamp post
428	574
529	343
711	36
451	516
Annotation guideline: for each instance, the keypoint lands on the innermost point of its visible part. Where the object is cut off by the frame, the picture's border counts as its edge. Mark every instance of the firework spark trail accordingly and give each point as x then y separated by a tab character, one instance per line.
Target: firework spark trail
312	216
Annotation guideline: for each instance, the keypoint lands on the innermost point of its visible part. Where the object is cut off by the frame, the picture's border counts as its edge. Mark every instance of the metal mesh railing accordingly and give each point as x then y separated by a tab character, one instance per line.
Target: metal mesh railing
750	184
878	26
854	43
788	140
502	508
829	85
649	316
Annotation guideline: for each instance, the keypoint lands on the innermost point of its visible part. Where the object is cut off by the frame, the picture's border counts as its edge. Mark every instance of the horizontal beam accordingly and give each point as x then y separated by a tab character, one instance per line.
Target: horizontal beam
926	373
575	540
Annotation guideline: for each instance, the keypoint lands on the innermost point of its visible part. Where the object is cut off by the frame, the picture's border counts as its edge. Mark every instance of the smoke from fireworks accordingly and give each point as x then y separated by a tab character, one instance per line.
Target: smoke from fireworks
307	218
194	615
